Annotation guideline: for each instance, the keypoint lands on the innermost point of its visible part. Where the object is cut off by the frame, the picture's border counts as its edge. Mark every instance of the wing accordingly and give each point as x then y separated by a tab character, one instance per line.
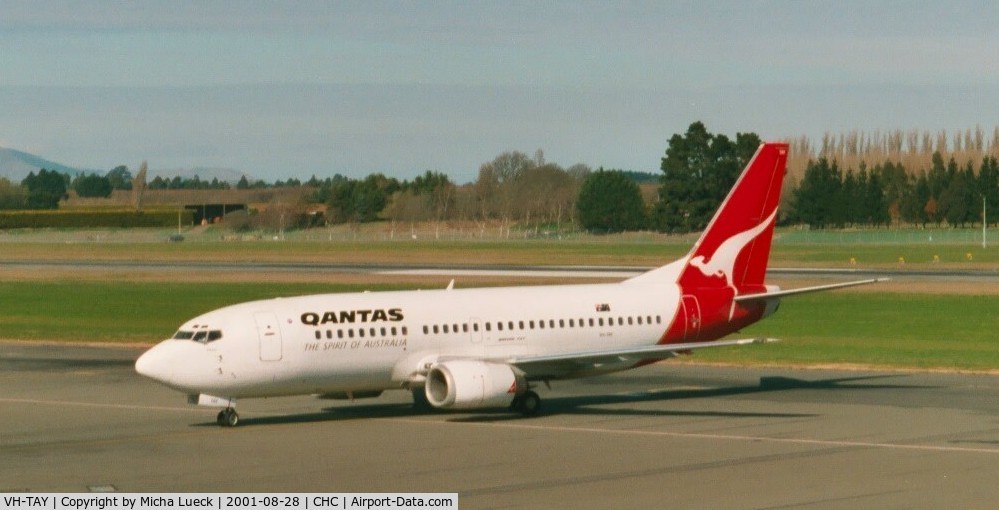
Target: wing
579	364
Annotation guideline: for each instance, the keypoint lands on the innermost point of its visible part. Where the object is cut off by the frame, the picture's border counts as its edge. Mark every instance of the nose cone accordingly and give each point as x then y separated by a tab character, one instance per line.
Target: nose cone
184	366
155	364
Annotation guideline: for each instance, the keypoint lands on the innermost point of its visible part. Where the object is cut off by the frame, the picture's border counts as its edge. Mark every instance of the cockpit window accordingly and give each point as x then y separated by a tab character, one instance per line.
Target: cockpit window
203	336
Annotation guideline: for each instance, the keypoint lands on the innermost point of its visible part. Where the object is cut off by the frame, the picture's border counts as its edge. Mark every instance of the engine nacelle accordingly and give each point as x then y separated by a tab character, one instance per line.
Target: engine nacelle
468	384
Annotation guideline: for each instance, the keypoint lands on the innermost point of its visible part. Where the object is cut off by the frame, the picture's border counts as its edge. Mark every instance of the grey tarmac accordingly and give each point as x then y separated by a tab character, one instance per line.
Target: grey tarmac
78	418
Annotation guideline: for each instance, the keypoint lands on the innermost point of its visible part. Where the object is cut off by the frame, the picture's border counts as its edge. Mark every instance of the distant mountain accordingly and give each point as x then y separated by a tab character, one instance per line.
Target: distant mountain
16	165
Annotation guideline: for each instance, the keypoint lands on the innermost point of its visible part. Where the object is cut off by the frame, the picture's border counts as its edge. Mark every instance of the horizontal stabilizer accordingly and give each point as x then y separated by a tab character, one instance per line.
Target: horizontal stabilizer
806	290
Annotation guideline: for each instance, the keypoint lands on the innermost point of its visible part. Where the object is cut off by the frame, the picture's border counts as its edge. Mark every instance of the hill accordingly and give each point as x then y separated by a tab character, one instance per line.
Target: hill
16	165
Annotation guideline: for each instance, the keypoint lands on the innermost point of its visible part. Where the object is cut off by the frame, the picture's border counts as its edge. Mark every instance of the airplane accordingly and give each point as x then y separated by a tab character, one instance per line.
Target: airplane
478	348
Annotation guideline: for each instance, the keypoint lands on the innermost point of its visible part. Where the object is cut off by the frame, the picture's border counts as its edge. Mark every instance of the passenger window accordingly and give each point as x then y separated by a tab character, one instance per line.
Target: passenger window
541	324
318	335
360	332
499	326
329	333
445	328
532	324
339	333
521	324
404	330
436	329
350	333
394	333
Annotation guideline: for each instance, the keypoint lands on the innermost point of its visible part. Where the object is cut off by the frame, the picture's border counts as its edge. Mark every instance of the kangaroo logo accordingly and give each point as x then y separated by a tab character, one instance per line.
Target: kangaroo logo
722	262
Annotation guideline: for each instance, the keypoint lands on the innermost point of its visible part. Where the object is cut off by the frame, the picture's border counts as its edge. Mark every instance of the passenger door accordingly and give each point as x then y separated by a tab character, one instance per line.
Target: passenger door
269	334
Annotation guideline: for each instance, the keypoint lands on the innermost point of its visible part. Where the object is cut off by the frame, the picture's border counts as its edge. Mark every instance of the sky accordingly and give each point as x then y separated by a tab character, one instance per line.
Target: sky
294	89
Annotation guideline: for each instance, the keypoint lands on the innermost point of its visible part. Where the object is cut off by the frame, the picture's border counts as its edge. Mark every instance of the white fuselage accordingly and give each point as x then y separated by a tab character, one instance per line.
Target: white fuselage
374	341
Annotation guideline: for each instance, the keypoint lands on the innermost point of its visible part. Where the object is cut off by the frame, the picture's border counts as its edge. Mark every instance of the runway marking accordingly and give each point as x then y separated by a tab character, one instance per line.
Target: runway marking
95	404
726	437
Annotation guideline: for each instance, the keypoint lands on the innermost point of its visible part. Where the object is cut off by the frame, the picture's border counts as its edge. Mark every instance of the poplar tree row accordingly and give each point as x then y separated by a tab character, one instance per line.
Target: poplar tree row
890	194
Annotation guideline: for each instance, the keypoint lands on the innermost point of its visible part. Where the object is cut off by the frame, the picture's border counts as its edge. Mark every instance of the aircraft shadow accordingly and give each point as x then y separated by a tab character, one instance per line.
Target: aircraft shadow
596	405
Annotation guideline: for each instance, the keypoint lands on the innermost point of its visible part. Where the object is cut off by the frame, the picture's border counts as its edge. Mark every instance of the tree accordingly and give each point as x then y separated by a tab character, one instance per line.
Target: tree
45	190
350	200
988	185
698	171
430	196
92	186
496	184
12	196
120	177
817	197
610	202
875	211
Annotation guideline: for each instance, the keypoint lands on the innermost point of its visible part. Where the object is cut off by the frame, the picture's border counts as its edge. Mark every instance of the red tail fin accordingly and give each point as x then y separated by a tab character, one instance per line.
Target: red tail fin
733	250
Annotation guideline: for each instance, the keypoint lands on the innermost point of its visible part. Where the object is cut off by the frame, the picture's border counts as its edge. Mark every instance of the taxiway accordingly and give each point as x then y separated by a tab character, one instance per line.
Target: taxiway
78	418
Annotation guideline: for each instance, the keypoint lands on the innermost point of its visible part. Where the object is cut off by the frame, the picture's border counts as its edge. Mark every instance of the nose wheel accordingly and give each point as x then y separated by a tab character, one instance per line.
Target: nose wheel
227	418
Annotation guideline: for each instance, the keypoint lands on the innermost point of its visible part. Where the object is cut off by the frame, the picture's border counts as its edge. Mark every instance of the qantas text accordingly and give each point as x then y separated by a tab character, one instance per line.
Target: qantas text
352	316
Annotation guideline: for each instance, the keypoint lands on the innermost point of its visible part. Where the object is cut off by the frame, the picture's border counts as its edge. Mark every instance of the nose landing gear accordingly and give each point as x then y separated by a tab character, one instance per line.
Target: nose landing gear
227	418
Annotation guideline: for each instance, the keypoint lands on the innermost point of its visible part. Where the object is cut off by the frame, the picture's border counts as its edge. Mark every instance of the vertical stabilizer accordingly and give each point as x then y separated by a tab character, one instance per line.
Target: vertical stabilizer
733	251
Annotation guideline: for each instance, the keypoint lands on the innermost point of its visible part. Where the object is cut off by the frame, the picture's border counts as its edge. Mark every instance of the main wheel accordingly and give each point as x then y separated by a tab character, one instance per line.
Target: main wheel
527	404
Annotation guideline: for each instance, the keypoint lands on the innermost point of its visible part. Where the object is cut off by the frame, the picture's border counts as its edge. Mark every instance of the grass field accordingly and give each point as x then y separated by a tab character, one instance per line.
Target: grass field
894	330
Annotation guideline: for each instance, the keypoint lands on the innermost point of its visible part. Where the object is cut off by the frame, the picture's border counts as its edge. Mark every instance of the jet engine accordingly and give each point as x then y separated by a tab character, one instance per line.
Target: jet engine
469	384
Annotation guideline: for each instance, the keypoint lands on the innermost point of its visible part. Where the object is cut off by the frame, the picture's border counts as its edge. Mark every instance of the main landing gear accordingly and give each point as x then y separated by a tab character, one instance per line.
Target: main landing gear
527	404
227	418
